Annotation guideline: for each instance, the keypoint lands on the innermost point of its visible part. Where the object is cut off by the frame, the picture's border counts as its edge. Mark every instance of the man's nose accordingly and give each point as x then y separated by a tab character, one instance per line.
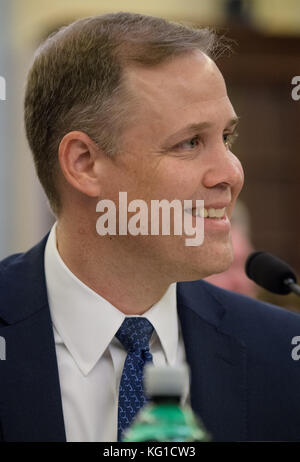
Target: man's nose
223	168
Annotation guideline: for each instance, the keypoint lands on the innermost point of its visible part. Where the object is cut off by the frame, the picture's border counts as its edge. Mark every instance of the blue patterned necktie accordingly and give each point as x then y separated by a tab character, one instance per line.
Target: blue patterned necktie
134	334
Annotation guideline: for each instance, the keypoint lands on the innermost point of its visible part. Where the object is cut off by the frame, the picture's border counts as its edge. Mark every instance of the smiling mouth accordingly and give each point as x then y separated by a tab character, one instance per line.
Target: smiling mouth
207	213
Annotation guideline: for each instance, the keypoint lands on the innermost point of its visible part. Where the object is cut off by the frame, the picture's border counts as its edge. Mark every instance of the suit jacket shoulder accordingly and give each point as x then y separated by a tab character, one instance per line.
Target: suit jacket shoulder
246	349
22	284
262	327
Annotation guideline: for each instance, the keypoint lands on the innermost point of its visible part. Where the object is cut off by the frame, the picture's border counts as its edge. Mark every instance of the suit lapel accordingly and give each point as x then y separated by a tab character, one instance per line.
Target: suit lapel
217	361
31	407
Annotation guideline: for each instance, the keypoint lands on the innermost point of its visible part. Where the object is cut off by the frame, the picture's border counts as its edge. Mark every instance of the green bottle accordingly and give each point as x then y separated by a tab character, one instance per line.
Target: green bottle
163	418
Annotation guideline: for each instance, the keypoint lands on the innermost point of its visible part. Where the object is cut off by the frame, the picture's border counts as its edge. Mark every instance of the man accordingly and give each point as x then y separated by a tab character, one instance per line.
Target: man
129	103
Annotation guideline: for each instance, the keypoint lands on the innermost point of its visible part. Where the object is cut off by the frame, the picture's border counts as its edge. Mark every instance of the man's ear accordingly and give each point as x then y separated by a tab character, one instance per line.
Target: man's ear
77	156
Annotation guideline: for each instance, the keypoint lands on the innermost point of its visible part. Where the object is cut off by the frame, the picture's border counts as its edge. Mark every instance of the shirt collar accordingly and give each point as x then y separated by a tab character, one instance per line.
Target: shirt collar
163	317
87	323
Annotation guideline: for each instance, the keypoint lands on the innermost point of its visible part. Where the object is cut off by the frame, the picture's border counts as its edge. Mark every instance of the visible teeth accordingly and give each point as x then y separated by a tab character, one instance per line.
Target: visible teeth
216	213
204	213
220	212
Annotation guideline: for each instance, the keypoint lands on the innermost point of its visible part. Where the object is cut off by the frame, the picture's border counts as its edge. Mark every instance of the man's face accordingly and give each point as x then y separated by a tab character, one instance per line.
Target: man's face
177	148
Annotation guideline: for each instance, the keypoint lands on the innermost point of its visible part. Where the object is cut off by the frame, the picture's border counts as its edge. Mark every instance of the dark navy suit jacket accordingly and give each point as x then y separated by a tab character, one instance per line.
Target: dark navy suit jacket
245	384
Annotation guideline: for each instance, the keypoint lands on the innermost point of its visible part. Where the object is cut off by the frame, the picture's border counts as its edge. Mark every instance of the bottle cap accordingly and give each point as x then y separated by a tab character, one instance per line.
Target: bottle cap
165	380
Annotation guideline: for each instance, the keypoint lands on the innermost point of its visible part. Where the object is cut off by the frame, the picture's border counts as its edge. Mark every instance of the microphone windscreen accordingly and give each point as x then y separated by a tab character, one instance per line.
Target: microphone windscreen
269	272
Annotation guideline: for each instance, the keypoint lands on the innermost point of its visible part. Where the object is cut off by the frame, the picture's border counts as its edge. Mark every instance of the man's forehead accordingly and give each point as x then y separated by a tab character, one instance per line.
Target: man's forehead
182	80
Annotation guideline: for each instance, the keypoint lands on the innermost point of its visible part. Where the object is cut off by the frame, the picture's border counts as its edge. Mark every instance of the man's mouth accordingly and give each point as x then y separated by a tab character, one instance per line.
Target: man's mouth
207	212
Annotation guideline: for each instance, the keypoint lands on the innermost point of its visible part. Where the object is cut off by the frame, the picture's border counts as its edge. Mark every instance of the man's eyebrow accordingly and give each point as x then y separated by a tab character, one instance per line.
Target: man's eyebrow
196	127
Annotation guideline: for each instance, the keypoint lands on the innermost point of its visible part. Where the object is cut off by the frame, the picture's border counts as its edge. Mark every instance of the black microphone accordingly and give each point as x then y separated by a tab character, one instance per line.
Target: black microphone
271	273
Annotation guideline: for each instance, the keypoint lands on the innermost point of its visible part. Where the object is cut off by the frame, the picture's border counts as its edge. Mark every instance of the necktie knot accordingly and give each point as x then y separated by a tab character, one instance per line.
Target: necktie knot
135	333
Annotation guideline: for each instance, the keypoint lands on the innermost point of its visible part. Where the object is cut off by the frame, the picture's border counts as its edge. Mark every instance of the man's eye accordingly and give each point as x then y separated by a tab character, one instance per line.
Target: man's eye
229	139
191	143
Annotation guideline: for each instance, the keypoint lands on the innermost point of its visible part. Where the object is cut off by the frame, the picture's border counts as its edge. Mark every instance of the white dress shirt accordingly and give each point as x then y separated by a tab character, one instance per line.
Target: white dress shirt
90	358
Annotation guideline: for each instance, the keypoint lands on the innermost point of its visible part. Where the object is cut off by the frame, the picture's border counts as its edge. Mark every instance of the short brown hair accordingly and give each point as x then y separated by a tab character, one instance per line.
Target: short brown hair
75	81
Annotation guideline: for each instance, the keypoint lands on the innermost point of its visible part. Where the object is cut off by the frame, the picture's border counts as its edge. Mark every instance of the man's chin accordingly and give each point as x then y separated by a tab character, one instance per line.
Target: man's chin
209	265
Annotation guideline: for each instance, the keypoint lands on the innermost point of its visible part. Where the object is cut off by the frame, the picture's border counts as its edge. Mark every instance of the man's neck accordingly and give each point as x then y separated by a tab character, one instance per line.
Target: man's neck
130	284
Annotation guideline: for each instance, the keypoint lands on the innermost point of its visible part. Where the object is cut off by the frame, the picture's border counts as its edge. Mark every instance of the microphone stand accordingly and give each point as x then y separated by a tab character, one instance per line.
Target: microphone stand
292	285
